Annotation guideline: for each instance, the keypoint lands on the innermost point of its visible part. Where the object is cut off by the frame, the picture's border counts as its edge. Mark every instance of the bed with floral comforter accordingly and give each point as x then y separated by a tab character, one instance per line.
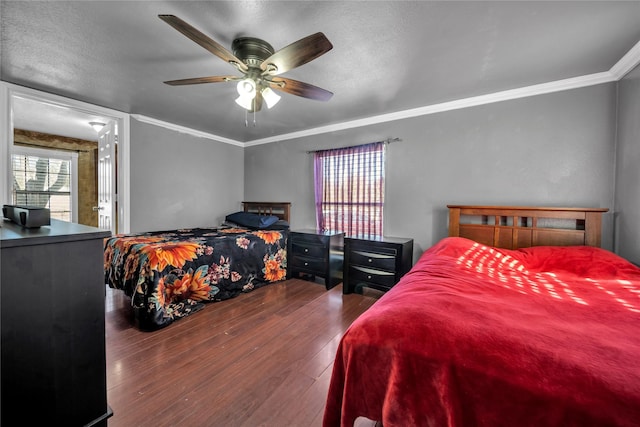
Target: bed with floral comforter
171	274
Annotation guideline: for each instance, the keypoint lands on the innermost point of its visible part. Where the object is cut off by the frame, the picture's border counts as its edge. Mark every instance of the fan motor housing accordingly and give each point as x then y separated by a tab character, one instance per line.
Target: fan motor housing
251	50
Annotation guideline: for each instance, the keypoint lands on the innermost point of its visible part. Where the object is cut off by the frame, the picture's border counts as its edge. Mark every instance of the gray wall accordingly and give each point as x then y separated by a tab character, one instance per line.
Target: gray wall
552	150
628	168
178	180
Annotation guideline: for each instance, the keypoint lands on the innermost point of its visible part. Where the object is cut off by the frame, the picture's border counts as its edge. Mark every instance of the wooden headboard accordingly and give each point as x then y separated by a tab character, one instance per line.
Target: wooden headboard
280	209
513	227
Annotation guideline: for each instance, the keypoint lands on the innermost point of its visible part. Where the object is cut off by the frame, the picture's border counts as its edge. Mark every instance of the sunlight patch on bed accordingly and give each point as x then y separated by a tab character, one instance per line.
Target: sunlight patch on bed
625	286
513	275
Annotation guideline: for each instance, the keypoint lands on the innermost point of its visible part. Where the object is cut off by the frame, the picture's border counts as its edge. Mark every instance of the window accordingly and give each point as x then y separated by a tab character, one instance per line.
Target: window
47	179
349	189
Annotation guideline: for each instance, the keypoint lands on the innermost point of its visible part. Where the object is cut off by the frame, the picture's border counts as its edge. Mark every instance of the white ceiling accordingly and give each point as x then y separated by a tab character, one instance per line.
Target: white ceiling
388	56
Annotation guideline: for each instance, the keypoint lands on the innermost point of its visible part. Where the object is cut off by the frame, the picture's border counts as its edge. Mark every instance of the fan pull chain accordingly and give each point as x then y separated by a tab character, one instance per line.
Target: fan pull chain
254	111
246	115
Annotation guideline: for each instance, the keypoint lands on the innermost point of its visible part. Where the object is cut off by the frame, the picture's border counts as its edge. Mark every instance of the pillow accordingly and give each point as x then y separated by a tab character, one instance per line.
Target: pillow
252	220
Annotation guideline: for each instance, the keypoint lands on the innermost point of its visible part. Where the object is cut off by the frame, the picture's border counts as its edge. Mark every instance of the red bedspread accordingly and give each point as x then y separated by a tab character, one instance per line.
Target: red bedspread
478	336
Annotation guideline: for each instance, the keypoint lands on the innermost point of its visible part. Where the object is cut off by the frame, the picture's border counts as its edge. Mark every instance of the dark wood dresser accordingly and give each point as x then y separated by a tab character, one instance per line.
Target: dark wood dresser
315	253
377	263
52	323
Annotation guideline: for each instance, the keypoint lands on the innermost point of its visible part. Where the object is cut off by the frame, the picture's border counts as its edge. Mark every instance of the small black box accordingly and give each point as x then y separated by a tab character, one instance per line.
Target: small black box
27	216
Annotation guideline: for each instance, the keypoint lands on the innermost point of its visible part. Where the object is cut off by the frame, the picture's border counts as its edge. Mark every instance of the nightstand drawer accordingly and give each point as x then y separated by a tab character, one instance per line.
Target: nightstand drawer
312	239
306	249
384	278
309	265
377	260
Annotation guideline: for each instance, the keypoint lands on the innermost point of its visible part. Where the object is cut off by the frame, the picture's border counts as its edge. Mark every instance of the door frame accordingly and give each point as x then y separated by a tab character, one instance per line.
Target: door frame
8	92
106	206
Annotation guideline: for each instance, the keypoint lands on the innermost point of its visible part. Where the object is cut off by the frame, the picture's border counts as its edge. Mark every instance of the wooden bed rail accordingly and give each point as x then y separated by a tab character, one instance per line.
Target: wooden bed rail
513	227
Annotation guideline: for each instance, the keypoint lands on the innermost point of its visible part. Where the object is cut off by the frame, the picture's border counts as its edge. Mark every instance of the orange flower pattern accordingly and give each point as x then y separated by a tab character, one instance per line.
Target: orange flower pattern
270	237
234	230
174	254
180	285
275	266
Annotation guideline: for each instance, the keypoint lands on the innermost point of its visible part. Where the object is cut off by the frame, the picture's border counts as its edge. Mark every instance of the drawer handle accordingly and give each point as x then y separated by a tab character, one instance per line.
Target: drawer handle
369	277
370	260
306	249
306	263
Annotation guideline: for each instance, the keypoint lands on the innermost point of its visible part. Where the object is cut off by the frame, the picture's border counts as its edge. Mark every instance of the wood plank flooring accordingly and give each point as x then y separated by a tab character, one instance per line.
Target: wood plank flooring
261	359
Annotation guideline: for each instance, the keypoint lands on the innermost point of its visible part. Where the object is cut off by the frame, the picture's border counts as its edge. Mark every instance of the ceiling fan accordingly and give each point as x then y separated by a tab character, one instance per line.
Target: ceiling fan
259	64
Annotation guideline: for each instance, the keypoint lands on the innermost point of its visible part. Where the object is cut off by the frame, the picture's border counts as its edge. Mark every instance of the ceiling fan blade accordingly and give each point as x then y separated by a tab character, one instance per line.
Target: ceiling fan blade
203	40
303	89
296	54
199	80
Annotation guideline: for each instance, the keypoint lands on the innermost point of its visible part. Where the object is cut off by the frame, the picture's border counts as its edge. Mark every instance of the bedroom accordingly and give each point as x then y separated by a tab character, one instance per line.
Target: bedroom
575	147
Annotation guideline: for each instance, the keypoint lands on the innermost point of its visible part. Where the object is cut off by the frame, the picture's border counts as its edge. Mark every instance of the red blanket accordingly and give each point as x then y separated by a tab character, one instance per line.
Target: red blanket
478	336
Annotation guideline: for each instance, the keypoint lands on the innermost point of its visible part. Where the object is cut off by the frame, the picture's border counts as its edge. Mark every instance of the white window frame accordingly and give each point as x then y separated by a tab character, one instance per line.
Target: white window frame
70	156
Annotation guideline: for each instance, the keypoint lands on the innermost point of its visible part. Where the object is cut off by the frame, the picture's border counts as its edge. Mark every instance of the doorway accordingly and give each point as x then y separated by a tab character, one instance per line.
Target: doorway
70	114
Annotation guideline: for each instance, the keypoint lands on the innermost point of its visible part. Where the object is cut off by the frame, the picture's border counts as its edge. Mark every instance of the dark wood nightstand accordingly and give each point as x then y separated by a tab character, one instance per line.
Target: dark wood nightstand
315	253
377	263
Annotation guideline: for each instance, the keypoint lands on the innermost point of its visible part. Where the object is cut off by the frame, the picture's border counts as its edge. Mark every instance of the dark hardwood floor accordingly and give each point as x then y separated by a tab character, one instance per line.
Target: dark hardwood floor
261	359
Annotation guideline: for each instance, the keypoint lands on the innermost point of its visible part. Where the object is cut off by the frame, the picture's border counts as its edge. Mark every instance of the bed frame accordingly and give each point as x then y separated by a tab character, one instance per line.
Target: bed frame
280	209
513	227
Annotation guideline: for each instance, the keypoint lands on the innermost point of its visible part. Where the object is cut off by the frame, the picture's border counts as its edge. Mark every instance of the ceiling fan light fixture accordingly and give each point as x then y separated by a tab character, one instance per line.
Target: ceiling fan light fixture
97	126
270	97
259	63
245	101
247	87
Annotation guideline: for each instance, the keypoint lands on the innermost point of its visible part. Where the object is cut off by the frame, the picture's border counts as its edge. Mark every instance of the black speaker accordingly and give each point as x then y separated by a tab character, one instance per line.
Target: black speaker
27	216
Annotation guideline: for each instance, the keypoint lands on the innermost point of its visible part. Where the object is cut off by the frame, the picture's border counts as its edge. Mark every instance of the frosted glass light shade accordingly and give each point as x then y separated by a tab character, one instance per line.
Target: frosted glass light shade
270	97
245	101
246	87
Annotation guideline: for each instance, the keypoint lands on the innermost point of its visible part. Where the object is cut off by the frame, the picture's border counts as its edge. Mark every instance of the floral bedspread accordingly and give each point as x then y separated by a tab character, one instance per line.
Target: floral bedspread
171	274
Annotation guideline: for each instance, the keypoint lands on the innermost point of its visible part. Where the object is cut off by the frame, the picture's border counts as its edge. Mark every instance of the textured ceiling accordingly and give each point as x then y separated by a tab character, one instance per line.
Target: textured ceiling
388	56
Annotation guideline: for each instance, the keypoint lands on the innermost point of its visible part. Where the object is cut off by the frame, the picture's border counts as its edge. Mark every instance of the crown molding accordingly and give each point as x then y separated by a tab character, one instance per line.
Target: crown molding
523	92
186	130
627	63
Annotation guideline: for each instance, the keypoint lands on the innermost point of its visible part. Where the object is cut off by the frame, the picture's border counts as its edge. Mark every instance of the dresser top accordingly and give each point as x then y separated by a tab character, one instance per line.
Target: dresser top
12	234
